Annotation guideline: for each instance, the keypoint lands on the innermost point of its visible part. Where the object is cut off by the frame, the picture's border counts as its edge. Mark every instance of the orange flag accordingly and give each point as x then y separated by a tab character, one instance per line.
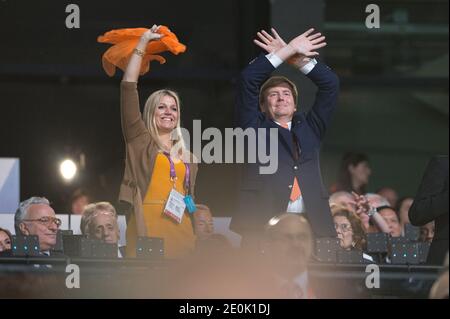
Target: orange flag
125	40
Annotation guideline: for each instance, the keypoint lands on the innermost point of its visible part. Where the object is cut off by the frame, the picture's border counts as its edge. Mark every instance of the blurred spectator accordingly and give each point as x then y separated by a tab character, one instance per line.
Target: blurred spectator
35	217
359	205
350	232
391	218
354	173
5	240
343	200
206	239
427	232
78	201
403	209
376	200
203	222
99	221
287	247
390	194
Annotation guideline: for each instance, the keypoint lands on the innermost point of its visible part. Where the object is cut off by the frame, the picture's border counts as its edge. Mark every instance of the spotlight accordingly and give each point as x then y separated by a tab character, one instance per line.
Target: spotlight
68	169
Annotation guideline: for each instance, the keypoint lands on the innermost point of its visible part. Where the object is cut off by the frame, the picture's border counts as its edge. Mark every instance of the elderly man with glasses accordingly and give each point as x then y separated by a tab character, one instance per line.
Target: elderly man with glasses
35	217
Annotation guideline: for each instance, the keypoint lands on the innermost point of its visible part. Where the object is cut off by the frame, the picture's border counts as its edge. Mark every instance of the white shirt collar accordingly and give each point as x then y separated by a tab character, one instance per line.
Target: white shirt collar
289	124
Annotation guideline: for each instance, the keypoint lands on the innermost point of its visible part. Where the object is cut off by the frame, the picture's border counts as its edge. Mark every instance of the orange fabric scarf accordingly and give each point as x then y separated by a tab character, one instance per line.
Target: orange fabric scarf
125	40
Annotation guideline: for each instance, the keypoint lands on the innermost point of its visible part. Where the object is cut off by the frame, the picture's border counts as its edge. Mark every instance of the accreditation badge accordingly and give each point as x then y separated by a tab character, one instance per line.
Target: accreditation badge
175	206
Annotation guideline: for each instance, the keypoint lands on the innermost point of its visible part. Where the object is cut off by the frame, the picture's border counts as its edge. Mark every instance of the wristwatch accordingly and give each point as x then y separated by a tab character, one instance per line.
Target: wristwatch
371	211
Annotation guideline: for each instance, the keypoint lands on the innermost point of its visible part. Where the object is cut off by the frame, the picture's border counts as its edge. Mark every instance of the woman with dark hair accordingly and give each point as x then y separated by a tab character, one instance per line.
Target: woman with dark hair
354	173
5	240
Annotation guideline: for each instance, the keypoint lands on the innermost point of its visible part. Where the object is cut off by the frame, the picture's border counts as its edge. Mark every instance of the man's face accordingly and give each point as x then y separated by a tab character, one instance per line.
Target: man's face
279	103
104	227
41	221
290	245
203	224
391	219
427	232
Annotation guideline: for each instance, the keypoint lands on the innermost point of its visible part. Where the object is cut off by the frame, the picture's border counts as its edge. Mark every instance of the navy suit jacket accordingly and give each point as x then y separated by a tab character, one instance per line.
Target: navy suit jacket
431	203
264	196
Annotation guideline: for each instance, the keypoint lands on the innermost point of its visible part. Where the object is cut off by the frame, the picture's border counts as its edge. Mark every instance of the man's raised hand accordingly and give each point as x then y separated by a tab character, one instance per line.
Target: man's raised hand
272	43
307	43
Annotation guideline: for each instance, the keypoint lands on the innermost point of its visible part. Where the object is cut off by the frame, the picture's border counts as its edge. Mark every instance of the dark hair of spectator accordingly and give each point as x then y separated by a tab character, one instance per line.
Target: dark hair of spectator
344	182
7	232
78	193
379	209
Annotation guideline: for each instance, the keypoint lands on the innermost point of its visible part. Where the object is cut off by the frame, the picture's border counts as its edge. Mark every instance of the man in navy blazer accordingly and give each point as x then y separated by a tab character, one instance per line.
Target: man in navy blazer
265	103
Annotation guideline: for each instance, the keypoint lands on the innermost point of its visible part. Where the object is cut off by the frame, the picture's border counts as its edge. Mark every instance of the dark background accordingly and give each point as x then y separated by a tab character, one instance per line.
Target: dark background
56	101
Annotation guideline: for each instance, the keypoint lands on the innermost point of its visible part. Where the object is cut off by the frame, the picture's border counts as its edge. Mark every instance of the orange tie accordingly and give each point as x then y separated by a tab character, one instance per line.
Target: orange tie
296	192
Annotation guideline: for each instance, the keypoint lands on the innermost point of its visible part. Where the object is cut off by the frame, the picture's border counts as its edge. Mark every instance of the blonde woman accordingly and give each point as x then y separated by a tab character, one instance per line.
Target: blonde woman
154	173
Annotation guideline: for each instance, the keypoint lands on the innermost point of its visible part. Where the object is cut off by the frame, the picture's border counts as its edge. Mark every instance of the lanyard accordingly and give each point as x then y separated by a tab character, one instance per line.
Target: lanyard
173	174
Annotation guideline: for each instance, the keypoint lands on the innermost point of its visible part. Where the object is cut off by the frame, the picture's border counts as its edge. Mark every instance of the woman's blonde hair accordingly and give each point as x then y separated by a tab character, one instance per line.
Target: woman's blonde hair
150	121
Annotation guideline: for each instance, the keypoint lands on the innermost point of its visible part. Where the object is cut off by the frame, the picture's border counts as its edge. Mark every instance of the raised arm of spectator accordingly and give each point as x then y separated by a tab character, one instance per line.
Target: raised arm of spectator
132	123
272	43
134	65
363	207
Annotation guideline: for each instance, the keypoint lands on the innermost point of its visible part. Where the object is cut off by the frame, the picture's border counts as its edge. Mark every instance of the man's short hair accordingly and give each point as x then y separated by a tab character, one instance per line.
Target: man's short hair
276	81
22	211
91	211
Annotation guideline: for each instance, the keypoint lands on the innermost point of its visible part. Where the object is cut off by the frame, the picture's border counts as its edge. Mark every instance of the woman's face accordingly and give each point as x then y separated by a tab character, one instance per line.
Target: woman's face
360	173
5	242
166	114
344	231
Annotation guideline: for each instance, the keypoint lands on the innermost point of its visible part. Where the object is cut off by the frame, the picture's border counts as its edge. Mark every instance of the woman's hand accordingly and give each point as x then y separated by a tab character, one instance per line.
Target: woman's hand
151	34
134	65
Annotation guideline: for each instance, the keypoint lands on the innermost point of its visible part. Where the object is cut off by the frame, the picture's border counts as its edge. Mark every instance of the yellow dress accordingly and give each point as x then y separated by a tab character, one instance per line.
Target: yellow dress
179	239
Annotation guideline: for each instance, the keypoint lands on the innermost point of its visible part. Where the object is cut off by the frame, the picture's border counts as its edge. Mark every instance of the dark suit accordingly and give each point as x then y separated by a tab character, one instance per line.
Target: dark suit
431	203
263	196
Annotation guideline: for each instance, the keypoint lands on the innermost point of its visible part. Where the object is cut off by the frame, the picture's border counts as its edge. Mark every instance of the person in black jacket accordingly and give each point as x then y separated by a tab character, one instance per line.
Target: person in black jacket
431	203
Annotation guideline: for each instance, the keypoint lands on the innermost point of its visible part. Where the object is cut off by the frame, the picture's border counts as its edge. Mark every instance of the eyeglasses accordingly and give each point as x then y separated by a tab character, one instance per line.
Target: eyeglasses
343	227
47	221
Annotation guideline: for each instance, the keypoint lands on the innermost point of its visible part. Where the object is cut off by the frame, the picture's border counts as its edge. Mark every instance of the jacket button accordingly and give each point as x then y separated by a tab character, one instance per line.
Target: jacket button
296	167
